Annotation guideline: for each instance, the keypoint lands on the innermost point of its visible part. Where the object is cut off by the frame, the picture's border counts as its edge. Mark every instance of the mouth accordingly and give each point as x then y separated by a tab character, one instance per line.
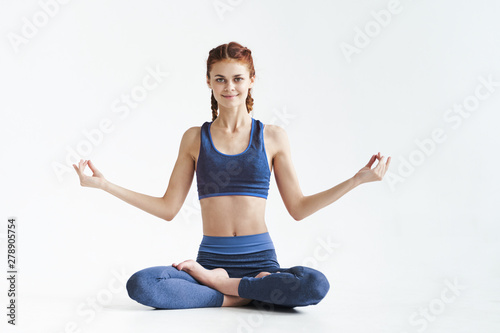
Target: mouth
229	96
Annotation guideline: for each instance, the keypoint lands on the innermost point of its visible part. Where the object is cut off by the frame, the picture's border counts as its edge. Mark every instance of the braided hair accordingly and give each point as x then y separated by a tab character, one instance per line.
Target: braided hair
230	51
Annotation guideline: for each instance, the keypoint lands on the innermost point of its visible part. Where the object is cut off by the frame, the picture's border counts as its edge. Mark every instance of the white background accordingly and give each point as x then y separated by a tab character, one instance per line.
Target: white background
396	242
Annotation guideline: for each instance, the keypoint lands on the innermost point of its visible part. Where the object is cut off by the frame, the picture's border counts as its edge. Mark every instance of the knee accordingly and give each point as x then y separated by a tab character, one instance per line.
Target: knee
312	285
137	284
318	284
140	286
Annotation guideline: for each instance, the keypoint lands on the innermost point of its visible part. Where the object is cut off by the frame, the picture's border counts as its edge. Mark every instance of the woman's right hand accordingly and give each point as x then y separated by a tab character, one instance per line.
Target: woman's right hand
97	179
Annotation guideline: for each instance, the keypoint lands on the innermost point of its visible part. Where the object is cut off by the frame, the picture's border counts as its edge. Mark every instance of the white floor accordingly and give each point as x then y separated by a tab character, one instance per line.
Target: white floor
474	310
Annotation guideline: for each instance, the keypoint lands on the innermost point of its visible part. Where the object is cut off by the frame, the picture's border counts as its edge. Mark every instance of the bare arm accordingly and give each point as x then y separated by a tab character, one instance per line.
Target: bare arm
299	205
149	204
165	207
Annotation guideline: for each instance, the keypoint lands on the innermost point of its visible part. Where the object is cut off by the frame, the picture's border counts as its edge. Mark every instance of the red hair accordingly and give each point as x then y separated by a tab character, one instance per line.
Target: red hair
230	51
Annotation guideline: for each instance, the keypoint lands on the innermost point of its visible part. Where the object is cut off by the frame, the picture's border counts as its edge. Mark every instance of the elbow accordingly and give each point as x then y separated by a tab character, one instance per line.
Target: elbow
296	210
297	217
169	210
168	218
169	214
296	214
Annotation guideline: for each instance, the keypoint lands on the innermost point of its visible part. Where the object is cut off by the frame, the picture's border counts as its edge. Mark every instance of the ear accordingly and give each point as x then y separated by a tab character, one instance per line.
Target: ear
252	81
208	83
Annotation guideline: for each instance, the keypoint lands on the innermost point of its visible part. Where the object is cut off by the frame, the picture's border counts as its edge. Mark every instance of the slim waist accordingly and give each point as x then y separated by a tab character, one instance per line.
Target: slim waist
237	244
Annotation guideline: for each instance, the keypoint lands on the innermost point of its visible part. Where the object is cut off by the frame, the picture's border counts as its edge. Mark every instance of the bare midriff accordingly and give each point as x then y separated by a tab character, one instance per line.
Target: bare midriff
234	215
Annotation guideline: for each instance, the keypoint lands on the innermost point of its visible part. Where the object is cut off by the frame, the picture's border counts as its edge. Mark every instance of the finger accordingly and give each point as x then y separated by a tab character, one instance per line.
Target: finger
78	169
380	163
82	166
388	162
371	161
92	167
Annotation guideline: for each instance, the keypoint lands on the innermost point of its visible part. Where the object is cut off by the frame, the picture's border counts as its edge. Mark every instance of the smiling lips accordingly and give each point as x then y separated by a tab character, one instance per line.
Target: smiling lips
229	96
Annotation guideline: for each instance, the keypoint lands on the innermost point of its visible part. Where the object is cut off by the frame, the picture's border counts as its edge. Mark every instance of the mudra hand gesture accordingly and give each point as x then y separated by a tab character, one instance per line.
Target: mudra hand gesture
97	179
367	174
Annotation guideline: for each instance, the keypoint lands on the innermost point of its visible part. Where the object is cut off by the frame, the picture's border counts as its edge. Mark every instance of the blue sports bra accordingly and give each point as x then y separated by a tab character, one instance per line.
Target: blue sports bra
246	173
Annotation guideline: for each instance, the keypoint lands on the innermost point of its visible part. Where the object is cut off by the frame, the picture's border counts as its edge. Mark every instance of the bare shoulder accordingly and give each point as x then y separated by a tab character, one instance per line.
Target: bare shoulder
190	143
276	133
191	134
276	138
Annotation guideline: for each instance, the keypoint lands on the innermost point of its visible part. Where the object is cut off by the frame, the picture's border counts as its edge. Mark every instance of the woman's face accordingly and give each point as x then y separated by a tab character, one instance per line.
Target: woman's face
230	81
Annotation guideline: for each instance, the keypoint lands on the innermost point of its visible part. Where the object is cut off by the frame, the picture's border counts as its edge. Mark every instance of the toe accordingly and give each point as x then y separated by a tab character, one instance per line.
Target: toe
262	274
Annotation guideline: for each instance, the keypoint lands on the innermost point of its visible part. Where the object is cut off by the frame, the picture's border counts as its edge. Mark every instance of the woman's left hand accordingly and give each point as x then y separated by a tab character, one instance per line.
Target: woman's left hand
367	174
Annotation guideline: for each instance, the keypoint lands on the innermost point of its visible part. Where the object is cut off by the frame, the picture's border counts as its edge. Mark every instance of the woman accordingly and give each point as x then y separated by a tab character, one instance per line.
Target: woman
233	156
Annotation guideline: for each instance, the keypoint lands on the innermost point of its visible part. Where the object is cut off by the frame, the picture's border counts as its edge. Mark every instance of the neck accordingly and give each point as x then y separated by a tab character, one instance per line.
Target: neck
232	118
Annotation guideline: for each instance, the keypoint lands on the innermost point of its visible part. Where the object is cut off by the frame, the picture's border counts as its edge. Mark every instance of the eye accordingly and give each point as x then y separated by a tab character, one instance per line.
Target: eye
219	79
239	78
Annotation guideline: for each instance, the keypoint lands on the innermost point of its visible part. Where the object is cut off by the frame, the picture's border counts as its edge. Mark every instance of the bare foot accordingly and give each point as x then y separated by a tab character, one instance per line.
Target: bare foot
217	279
204	276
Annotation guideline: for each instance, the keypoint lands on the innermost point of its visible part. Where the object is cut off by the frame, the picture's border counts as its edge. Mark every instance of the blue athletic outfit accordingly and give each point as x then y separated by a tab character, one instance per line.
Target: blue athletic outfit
247	173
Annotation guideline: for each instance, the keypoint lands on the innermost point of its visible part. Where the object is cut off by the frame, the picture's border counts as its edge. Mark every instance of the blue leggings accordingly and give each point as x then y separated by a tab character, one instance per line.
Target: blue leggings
165	287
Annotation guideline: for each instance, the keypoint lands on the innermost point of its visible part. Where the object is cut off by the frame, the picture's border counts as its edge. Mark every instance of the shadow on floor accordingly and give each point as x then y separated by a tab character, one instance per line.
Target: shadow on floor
268	307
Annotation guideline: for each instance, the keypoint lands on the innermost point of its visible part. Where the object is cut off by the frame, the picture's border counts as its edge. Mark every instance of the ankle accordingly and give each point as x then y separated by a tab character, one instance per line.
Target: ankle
235	301
217	281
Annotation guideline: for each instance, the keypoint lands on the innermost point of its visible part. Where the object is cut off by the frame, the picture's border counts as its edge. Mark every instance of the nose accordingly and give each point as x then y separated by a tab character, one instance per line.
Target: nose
229	86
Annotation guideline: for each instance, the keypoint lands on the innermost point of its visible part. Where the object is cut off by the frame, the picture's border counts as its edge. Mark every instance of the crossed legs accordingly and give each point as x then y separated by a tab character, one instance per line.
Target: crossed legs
190	285
217	279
